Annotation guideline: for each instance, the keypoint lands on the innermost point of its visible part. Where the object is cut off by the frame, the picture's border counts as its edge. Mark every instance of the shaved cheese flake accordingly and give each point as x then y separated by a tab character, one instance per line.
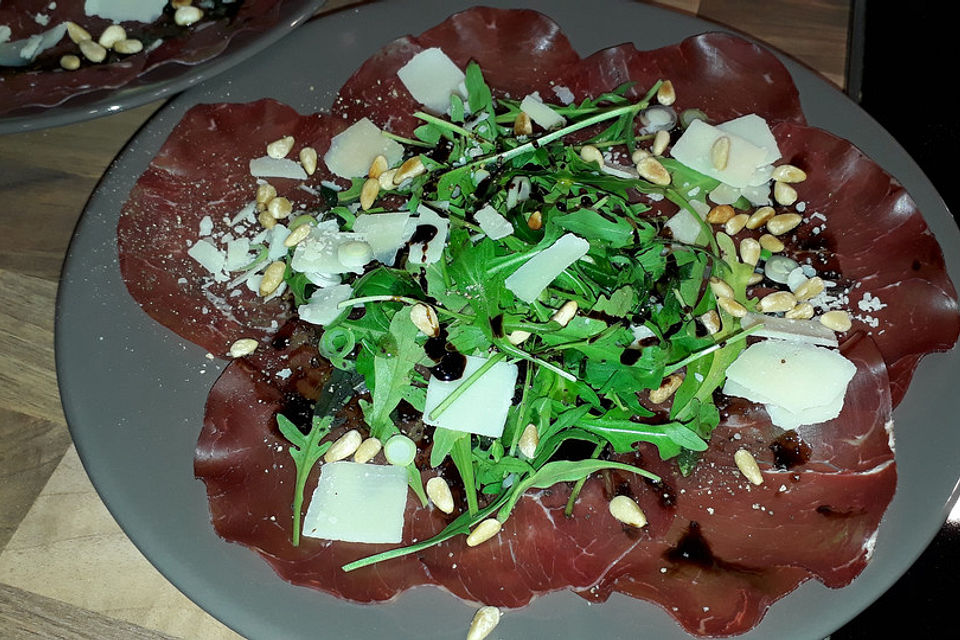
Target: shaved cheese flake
432	250
754	130
533	276
492	223
357	502
23	52
322	307
790	329
693	149
352	150
685	228
124	10
543	115
482	408
724	194
786	419
238	254
798	377
267	167
320	251
209	257
431	77
386	233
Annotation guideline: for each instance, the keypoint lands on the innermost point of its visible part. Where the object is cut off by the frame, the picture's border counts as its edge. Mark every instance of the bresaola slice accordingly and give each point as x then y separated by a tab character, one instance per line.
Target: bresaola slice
47	85
701	526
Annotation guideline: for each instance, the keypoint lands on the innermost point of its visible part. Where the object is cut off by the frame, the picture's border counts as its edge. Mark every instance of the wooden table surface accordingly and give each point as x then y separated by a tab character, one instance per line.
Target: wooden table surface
66	568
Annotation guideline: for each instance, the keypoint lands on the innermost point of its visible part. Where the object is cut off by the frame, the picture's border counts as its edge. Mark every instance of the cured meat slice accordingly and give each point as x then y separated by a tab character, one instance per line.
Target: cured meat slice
45	84
202	171
862	224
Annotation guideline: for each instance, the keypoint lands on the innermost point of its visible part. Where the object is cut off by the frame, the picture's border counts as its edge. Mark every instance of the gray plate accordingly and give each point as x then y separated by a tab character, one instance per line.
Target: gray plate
134	393
166	80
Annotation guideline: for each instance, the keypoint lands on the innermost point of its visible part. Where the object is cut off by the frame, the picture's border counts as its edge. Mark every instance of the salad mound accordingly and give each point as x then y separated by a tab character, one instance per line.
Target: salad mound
552	257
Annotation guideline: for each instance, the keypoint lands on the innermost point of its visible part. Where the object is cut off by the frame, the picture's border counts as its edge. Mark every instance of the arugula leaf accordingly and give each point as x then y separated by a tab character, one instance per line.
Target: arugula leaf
306	450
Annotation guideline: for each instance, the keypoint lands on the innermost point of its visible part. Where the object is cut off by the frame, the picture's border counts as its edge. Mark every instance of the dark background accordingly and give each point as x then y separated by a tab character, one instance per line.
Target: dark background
903	70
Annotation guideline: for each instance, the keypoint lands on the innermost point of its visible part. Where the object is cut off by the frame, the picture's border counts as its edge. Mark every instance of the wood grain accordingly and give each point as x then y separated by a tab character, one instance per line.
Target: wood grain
66	569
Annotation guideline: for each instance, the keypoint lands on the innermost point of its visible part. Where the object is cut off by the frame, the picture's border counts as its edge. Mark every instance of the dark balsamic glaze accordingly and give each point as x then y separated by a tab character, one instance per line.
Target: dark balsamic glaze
298	410
629	357
424	233
496	325
282	338
436	346
450	367
692	548
790	451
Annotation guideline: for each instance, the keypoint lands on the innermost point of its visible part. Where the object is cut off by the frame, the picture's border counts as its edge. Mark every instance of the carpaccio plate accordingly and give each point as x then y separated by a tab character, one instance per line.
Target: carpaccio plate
33	98
136	418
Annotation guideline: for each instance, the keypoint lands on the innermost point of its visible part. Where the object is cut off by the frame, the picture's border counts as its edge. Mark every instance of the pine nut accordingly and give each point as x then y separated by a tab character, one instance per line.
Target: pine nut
720	288
267	220
755	278
386	179
265	193
377	167
187	15
424	318
280	148
297	236
666	389
666	94
522	126
535	221
638	155
784	194
750	251
591	155
565	313
660	141
711	322
484	622
803	311
529	441
369	192
736	224
77	33
128	46
780	224
720	153
788	173
344	446
70	62
308	160
483	532
243	347
811	288
759	217
439	493
409	169
777	302
111	36
518	337
748	466
272	277
771	243
732	307
92	51
280	208
720	214
836	320
354	254
368	450
651	170
627	511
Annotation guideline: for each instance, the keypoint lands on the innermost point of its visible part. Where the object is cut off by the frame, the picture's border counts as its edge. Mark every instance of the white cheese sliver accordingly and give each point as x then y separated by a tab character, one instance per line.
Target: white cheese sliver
5	33
386	233
693	149
793	375
209	257
786	419
758	195
540	113
358	503
353	150
797	330
124	10
492	223
22	52
432	250
685	228
754	130
724	194
431	77
533	276
267	167
238	254
275	238
322	307
320	251
483	407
